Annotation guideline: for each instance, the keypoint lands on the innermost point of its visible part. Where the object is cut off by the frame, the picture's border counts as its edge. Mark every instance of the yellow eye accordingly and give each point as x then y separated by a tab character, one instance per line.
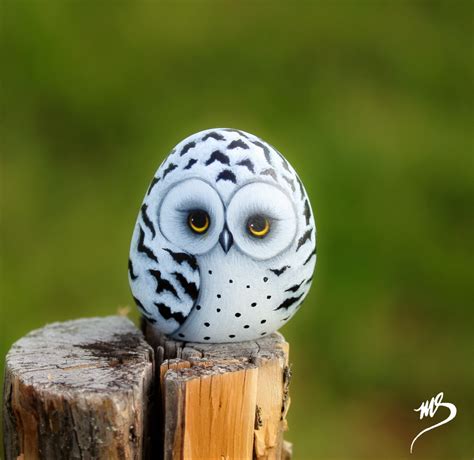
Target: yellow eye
198	221
258	225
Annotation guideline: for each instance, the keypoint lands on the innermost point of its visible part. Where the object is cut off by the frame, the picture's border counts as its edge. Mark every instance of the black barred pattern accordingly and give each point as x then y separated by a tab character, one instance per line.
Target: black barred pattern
248	164
309	280
190	164
270	172
171	167
306	237
313	253
227	174
218	156
147	221
152	184
279	271
237	144
287	303
139	304
307	212
301	186
290	181
266	151
180	257
189	287
295	287
163	284
166	313
187	147
232	130
214	135
133	277
141	247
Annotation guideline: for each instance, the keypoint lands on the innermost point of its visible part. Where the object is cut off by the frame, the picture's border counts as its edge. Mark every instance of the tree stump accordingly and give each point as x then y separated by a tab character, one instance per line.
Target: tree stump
94	389
222	401
78	390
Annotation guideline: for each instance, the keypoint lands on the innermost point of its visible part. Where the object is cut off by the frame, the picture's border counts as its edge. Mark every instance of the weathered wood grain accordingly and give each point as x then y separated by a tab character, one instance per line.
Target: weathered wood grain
78	390
222	401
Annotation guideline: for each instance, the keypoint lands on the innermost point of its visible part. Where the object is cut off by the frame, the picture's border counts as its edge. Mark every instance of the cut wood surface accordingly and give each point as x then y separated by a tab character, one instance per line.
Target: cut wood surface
78	390
222	401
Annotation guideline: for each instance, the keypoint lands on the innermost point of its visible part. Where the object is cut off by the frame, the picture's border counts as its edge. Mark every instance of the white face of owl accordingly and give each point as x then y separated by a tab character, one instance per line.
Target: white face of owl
259	219
224	244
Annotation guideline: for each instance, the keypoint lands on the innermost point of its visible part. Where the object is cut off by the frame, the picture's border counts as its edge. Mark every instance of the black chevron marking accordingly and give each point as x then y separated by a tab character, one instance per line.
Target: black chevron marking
187	147
189	287
270	172
166	313
170	168
139	304
214	135
283	160
295	287
306	237
248	164
287	303
236	144
180	257
141	247
313	253
232	130
279	271
227	174
307	212
291	182
301	186
133	277
309	280
163	284
152	184
190	164
147	221
266	151
218	156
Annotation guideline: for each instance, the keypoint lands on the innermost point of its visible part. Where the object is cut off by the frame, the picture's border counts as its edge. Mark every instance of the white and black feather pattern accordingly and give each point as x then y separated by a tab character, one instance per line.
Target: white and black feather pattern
188	286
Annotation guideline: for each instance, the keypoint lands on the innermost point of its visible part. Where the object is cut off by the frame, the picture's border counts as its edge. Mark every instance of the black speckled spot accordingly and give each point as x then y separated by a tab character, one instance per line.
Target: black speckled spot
238	315
231	281
210	272
206	324
269	296
231	336
246	326
198	307
253	304
218	310
207	338
248	286
219	296
181	335
263	333
263	321
265	279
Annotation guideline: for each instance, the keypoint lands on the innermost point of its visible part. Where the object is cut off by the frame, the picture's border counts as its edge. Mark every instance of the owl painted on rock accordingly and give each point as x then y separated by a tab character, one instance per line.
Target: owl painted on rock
224	247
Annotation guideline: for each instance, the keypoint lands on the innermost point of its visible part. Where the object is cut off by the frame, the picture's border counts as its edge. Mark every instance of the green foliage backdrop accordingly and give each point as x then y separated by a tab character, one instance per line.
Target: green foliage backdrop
370	101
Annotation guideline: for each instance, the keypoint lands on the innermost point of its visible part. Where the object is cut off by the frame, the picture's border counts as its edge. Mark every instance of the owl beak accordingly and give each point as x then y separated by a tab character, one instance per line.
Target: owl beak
226	239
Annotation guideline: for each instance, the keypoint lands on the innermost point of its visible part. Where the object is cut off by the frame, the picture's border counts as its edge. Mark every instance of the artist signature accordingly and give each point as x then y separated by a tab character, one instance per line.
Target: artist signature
429	408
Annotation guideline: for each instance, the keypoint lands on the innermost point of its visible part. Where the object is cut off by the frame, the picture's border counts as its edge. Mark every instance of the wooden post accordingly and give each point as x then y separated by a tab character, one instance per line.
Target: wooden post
223	401
94	389
76	390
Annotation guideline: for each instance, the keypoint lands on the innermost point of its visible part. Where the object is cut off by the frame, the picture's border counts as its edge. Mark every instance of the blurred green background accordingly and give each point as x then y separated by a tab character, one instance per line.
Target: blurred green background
372	102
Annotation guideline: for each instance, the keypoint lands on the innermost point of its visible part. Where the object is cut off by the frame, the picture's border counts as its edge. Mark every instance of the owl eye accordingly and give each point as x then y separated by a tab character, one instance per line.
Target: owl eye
258	225
198	221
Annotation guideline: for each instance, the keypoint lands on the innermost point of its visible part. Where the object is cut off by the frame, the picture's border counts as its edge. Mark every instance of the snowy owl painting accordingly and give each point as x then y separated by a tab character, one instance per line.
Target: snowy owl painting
224	247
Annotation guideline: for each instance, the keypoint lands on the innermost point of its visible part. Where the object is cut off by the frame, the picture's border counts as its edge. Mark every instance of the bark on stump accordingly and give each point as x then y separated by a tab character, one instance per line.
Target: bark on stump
78	390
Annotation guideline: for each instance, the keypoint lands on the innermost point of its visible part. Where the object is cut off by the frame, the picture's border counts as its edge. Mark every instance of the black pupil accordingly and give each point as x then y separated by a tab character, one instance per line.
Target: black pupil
198	219
257	223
